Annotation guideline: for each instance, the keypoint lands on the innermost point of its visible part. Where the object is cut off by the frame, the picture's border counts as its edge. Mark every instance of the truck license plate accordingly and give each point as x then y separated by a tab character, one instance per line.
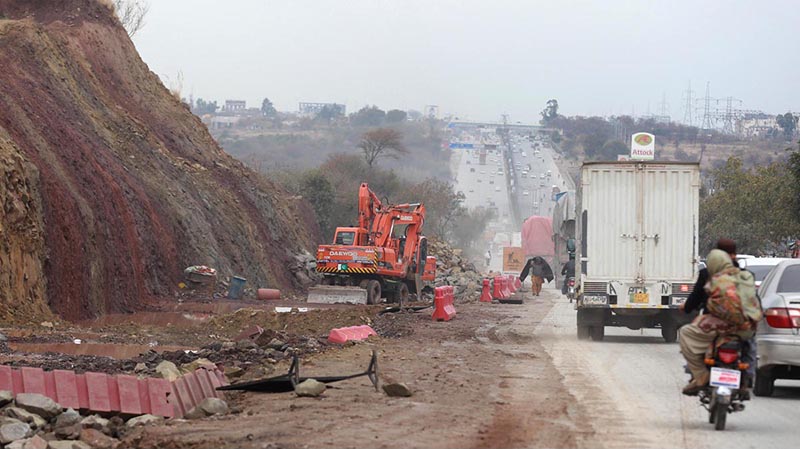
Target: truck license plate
641	298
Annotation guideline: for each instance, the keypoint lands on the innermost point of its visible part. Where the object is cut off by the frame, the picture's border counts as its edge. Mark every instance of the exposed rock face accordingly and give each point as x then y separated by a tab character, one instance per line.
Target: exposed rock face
110	185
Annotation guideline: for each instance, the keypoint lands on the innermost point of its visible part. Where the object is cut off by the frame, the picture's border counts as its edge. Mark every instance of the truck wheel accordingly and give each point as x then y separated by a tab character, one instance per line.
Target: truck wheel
583	332
373	292
597	333
765	384
669	332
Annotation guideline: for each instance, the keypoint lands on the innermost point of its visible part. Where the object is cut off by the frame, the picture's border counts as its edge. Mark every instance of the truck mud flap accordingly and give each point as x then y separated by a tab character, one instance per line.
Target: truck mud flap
333	294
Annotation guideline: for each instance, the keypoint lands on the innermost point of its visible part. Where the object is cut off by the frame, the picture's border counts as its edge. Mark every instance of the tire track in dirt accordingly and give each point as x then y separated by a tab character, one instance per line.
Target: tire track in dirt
534	408
611	426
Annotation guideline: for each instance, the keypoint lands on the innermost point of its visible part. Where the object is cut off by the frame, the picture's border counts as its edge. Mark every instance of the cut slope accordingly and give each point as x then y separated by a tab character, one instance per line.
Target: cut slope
132	187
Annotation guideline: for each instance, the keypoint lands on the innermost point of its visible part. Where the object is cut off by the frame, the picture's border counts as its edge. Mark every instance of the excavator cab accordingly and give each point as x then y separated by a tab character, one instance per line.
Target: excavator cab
350	237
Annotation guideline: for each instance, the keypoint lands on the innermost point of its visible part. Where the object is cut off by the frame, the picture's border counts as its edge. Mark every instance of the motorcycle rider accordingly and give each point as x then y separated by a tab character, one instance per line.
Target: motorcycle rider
568	271
698	298
733	311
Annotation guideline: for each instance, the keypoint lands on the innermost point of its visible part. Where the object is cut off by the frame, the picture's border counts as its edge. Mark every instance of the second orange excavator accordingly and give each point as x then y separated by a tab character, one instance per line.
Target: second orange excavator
385	256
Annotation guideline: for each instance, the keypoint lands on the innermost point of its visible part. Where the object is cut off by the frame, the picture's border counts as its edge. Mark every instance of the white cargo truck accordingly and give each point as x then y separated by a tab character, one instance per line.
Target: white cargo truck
637	246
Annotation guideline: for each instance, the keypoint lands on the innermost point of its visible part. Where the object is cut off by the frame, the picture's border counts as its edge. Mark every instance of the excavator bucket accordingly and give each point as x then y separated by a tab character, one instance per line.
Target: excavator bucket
334	294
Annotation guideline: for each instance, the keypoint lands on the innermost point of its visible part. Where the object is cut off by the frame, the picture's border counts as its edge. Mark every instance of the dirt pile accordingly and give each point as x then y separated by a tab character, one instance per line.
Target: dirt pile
111	187
452	269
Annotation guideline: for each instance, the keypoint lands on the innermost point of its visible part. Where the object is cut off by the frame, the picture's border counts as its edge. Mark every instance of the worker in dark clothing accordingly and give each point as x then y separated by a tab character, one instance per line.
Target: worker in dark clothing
568	271
539	270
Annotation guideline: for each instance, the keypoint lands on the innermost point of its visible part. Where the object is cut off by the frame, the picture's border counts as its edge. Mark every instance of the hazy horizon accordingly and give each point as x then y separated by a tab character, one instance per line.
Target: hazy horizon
479	60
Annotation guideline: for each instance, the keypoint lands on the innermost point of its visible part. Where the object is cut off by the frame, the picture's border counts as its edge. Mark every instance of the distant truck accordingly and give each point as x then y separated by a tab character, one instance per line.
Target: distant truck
637	228
482	157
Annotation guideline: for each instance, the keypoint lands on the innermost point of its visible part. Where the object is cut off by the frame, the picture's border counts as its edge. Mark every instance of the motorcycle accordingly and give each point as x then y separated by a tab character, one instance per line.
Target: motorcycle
571	289
727	387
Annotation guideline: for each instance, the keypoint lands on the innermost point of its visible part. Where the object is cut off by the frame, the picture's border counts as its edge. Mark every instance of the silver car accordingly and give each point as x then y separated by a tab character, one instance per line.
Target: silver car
778	334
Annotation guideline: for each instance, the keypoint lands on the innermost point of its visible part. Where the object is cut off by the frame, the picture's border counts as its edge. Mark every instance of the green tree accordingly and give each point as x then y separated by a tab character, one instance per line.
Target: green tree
443	205
267	109
788	124
550	112
396	116
380	143
612	148
318	191
368	116
202	107
753	207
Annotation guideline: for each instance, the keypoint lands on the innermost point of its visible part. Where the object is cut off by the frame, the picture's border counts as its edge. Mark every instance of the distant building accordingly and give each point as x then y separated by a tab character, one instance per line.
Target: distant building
757	125
219	121
312	109
233	106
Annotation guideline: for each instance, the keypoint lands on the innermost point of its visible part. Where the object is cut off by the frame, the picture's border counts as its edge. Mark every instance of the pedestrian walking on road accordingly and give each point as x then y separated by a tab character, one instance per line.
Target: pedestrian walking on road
539	270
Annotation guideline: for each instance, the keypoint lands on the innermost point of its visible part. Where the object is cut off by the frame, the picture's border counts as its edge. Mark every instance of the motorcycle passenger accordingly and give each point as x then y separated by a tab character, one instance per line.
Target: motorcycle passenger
568	271
733	312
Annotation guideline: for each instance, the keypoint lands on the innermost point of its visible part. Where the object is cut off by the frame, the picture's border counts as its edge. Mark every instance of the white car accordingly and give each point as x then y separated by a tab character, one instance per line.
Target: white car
525	192
759	266
497	189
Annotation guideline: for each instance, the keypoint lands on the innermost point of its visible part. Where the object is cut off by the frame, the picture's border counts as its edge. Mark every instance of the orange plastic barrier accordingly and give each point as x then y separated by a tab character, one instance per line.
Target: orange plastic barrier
345	334
443	303
511	287
486	295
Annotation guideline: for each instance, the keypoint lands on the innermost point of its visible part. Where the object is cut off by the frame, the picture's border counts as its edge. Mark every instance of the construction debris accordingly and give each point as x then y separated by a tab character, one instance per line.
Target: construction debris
453	269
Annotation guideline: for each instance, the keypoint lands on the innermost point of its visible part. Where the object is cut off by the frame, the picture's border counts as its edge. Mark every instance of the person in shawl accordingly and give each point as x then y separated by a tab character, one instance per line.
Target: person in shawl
539	270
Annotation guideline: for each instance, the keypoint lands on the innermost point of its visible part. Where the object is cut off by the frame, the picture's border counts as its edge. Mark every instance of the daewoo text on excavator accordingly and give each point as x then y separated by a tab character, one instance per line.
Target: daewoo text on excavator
385	256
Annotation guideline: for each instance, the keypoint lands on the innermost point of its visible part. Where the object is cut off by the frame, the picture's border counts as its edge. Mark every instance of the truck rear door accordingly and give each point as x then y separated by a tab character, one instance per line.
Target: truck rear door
669	208
609	222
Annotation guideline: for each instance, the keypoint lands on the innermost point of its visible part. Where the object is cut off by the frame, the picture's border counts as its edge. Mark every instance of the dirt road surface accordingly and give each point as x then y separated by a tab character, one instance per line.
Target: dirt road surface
480	380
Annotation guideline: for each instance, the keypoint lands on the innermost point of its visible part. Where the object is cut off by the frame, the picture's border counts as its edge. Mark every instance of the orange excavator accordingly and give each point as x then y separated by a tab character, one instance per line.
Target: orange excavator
385	256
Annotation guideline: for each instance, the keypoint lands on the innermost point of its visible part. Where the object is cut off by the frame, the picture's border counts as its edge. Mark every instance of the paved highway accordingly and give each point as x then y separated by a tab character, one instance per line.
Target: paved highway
630	384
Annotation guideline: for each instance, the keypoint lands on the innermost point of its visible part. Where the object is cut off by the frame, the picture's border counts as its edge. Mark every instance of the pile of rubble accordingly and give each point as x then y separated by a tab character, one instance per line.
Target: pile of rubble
248	358
35	421
454	269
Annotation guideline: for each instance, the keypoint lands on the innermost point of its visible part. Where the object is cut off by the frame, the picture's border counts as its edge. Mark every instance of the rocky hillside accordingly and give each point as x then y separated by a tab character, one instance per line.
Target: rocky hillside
110	186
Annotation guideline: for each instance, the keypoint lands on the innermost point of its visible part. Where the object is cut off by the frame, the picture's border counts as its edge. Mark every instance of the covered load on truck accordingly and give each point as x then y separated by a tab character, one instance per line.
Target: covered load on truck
537	239
637	249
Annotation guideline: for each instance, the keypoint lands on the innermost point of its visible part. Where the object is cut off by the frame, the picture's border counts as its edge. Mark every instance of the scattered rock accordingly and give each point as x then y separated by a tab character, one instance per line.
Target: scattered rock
68	418
199	363
213	406
70	432
309	388
68	445
143	420
94	422
140	368
35	442
35	421
98	439
246	344
232	372
168	370
397	390
47	324
39	404
5	397
276	344
13	429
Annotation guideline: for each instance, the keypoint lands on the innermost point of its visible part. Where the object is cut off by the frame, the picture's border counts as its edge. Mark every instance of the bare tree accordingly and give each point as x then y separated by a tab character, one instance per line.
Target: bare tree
131	14
382	142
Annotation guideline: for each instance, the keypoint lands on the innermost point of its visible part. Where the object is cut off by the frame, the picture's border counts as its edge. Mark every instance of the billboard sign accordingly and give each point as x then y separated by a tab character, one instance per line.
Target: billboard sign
643	147
513	259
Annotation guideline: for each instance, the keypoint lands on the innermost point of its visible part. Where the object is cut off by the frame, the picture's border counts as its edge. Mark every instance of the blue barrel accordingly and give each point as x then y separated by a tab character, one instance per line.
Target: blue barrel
237	287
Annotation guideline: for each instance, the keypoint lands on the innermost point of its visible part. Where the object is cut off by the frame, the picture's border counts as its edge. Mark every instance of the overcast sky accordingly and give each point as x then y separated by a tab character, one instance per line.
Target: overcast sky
479	59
